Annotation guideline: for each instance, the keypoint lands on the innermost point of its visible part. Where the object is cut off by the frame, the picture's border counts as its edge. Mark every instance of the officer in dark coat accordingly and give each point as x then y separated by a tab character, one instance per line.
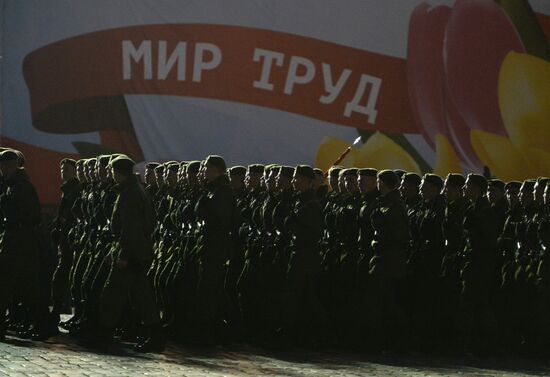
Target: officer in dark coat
369	195
542	339
304	315
389	219
64	222
497	198
346	279
132	226
506	295
320	187
237	176
19	256
478	325
425	262
216	211
451	265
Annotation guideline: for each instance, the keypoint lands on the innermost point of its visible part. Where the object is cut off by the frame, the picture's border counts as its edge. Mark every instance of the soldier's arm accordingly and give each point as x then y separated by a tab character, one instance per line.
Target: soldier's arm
223	207
130	216
27	205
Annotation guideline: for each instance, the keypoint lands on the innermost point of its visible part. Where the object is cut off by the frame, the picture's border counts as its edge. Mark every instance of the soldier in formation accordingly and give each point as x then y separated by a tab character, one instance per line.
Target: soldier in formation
272	255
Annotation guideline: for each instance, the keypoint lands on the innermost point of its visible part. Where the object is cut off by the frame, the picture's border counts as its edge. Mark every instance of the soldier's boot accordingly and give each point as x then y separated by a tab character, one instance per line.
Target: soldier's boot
78	310
155	343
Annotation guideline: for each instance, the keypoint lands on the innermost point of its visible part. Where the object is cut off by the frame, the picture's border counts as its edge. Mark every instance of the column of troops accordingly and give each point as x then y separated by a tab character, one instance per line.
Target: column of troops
276	255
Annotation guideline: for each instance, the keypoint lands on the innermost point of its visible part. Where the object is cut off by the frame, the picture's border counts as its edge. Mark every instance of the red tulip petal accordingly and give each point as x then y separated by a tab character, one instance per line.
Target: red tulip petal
459	136
478	37
425	69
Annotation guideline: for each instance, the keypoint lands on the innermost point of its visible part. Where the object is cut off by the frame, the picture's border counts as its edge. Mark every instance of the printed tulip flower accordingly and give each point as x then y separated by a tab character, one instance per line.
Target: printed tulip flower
446	159
501	156
524	98
425	69
477	92
479	35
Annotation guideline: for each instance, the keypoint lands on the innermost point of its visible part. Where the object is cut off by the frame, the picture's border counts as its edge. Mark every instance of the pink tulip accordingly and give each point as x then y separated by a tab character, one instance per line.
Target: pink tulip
425	69
478	37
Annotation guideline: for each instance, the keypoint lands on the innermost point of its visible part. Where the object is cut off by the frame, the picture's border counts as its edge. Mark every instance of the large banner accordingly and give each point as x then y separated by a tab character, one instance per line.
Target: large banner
442	86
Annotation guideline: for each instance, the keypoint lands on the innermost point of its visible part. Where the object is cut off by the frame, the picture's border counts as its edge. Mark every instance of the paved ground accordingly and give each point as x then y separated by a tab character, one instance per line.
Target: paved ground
63	357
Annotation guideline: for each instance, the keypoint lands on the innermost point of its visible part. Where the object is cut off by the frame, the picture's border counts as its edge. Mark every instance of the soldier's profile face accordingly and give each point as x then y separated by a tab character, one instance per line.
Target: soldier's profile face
469	190
116	176
512	195
8	167
271	181
525	195
68	171
350	182
236	181
102	172
428	190
494	194
252	180
380	185
342	183
407	189
451	192
424	189
211	172
333	182
171	177
191	177
301	183
538	192
150	177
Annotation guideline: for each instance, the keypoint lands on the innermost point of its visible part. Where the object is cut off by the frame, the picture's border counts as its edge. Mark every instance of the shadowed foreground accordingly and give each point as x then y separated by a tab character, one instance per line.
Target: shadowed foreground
62	356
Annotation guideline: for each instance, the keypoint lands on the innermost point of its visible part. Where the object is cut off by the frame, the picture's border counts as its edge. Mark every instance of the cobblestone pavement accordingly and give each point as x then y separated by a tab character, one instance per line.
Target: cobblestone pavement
63	357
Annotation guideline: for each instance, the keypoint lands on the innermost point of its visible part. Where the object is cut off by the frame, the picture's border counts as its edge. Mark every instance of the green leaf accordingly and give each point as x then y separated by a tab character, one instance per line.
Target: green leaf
402	141
524	19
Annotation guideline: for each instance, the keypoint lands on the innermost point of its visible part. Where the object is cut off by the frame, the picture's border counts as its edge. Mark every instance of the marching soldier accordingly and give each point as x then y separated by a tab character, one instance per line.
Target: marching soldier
64	222
496	196
506	298
19	258
132	225
452	262
388	322
304	315
481	231
216	212
425	261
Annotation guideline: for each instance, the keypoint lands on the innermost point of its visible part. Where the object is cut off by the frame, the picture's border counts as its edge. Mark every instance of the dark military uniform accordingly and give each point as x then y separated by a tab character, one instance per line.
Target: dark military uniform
451	265
507	293
424	264
525	272
346	277
132	225
303	312
366	235
388	269
542	307
216	210
63	224
477	317
19	269
249	282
